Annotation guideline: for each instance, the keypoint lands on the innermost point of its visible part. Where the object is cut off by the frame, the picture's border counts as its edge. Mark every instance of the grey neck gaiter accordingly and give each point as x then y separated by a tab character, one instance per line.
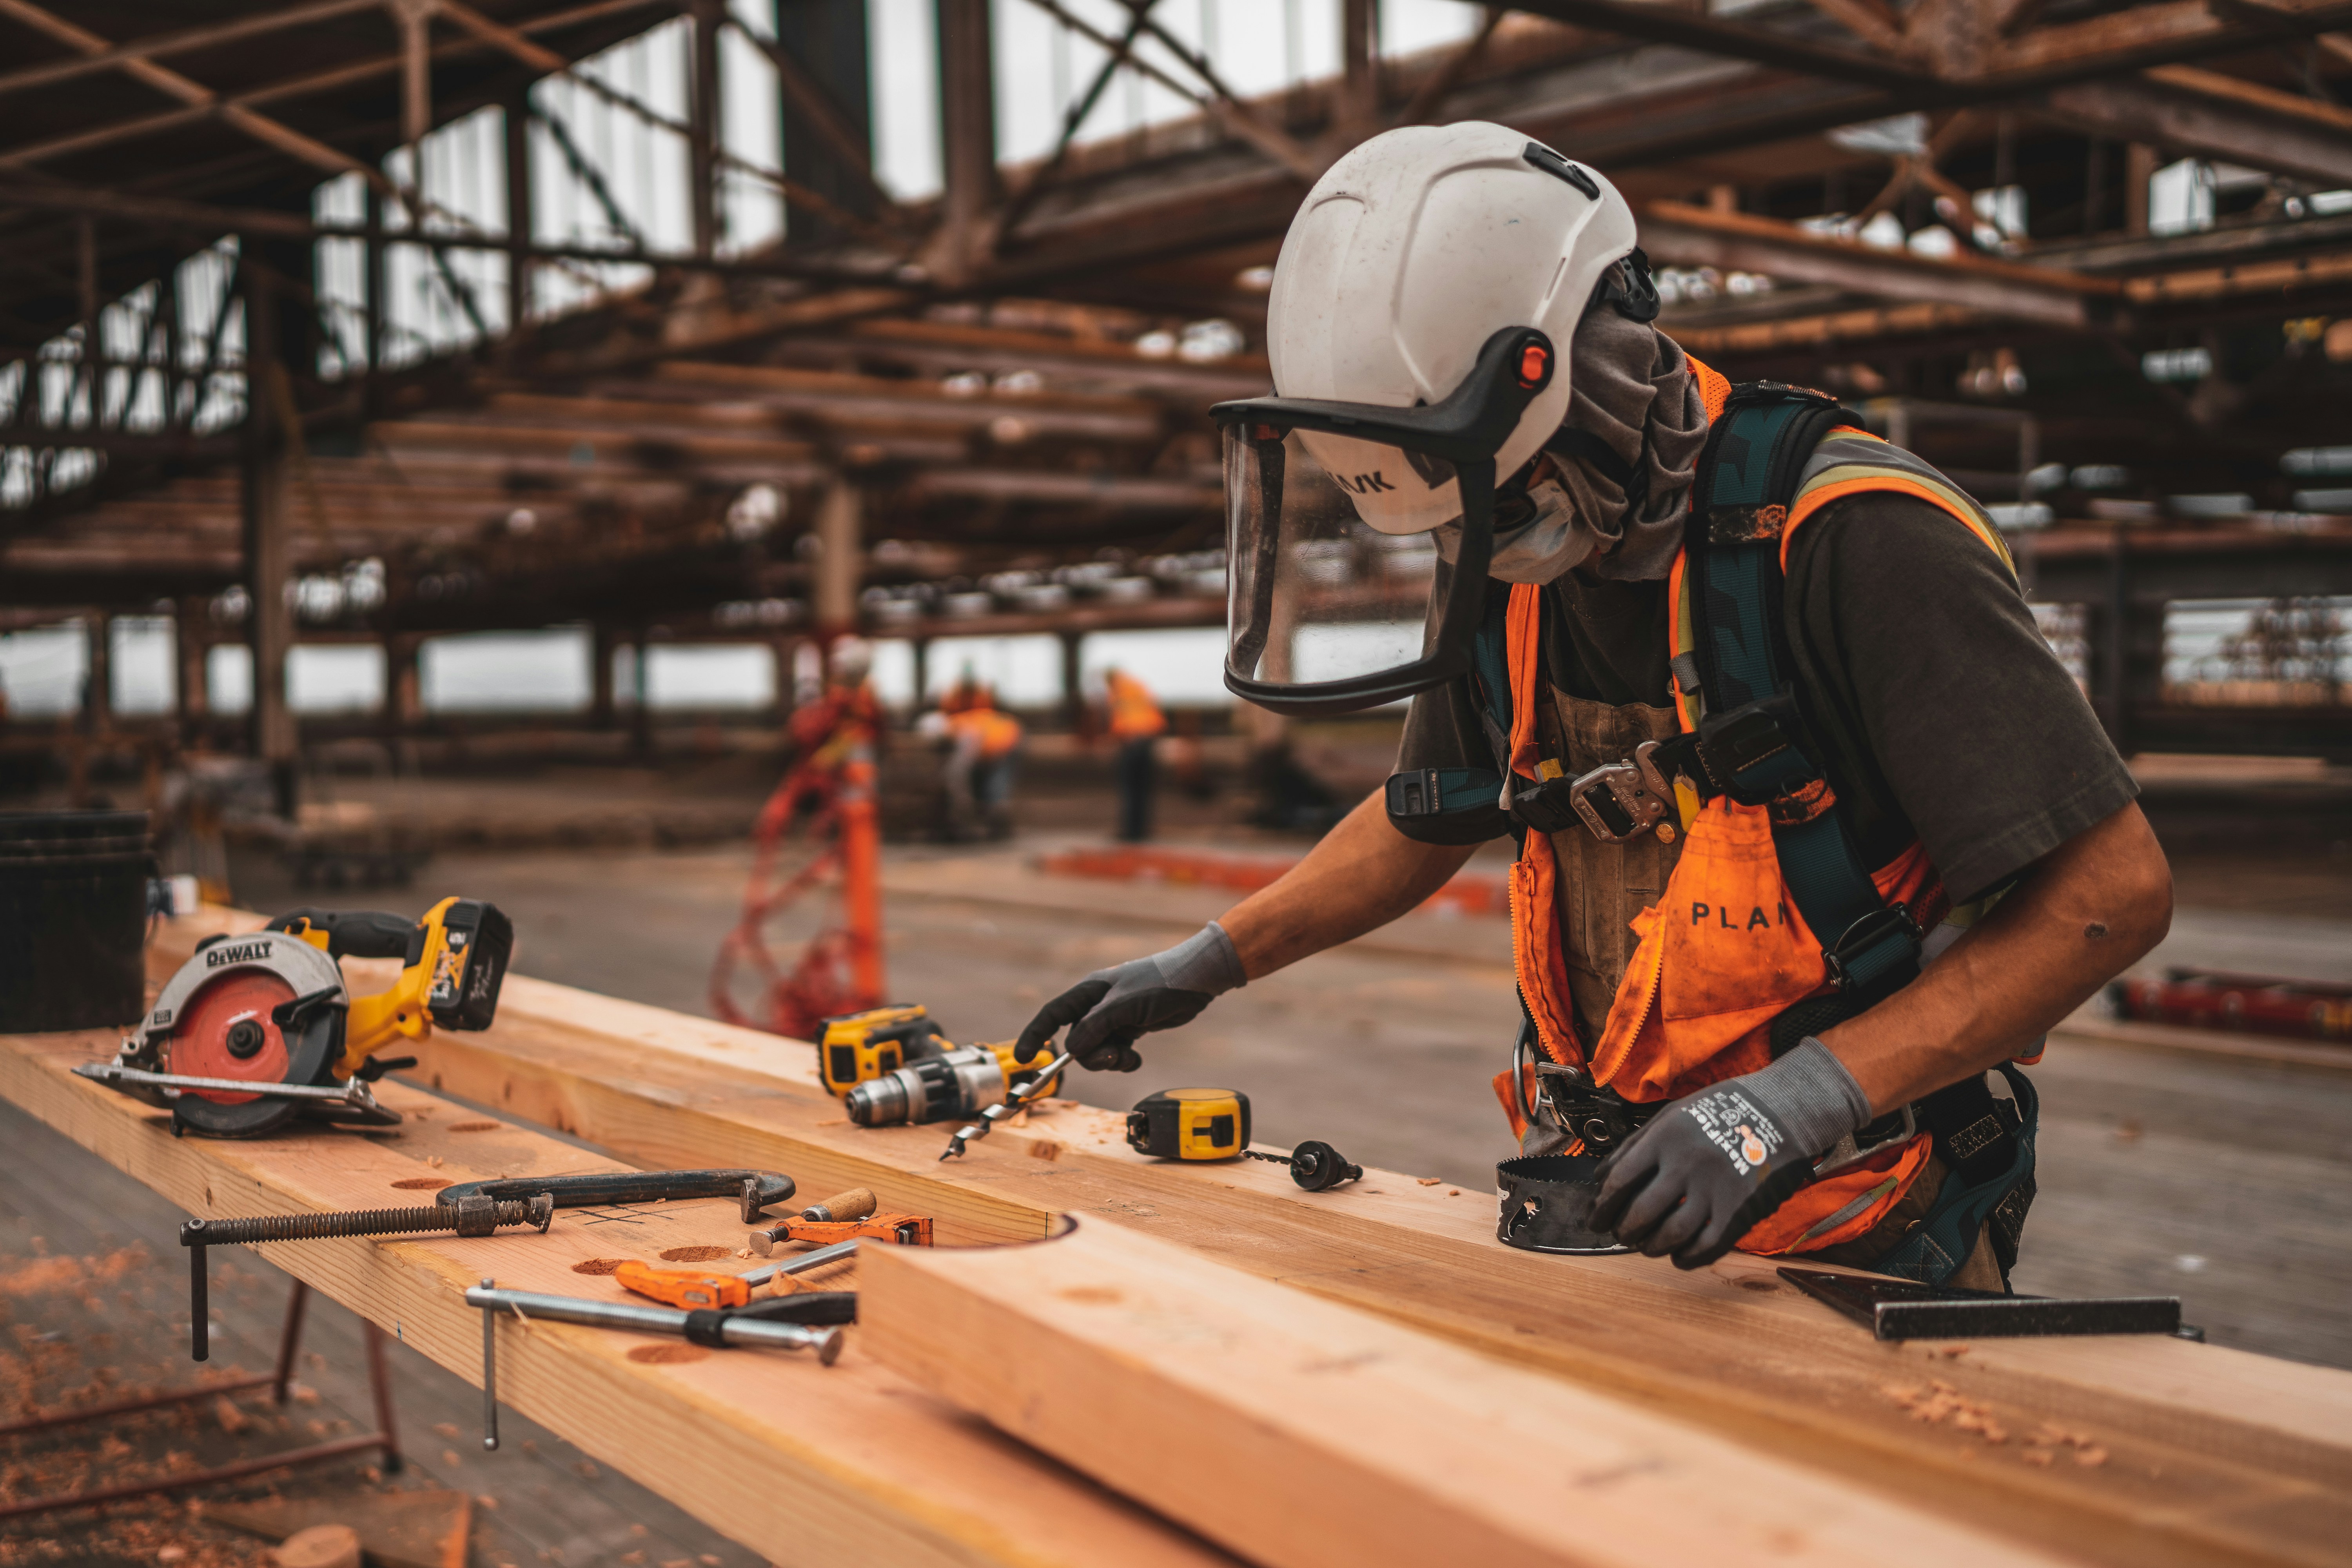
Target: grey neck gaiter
1633	393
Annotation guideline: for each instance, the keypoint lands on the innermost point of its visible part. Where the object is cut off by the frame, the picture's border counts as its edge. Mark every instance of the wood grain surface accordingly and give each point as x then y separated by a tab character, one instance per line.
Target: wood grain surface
1304	1435
805	1463
2188	1453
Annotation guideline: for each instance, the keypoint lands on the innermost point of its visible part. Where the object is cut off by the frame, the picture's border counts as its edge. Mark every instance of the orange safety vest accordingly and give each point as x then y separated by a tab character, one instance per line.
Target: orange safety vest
995	732
1725	951
1134	716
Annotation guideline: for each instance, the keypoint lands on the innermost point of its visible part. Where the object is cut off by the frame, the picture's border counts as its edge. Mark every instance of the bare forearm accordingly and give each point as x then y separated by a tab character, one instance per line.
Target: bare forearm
1362	875
2093	906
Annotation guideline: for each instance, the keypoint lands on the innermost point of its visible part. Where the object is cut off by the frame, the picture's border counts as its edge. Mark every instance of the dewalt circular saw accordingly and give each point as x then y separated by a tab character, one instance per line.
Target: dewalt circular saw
258	1029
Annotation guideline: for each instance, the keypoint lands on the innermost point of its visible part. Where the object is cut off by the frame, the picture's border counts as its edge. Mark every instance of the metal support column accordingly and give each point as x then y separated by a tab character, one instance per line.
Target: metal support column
967	131
98	681
702	107
839	563
270	619
603	644
1073	695
191	686
517	111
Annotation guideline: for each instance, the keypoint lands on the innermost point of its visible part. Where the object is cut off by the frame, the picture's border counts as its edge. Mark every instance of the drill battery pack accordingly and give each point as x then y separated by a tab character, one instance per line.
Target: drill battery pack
858	1047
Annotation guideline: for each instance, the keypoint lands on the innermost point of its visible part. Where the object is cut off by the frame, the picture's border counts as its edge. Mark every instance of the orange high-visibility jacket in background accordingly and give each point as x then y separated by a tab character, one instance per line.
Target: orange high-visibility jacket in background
1725	949
1134	715
995	732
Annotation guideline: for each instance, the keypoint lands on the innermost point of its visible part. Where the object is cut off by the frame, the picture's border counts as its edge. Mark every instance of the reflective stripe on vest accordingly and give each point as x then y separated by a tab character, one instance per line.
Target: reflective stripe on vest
1725	951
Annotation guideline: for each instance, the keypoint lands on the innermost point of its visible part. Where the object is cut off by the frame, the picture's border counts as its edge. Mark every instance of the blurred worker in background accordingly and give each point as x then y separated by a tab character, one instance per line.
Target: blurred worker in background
1135	725
982	741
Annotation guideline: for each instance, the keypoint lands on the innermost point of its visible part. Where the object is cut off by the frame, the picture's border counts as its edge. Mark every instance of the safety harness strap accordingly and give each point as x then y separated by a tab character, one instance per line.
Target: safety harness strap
1750	743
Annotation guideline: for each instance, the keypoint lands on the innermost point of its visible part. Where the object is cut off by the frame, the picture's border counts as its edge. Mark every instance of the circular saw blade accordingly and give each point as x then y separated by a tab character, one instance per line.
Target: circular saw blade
200	1043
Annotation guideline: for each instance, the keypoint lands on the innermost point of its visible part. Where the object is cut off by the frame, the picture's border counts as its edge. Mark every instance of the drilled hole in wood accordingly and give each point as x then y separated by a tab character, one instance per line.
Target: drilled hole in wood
697	1254
474	1127
422	1184
667	1355
597	1265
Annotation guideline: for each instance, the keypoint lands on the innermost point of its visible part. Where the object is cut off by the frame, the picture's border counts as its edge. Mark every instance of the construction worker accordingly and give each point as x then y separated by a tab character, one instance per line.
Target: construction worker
982	741
1135	725
1816	838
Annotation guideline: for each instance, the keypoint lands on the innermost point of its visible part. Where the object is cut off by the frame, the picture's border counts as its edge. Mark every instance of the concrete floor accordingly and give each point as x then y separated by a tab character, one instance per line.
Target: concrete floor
2226	1184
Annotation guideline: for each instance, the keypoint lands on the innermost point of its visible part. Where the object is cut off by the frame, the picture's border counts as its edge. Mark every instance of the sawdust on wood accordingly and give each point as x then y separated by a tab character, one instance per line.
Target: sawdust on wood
422	1184
696	1254
597	1265
667	1355
474	1126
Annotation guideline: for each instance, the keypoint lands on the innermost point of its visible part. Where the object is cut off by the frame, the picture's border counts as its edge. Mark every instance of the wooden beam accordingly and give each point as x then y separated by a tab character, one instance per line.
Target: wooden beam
967	134
2192	113
1300	1433
2215	1455
843	1464
1681	234
1872	21
260	127
2164	33
209	35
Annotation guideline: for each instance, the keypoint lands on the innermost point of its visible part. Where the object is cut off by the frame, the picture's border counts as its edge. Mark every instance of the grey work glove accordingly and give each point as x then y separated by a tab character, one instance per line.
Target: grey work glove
1109	1008
1707	1168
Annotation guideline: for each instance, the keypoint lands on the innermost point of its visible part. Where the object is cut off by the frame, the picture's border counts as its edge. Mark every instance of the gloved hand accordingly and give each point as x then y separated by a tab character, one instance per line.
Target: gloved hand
1707	1168
1110	1007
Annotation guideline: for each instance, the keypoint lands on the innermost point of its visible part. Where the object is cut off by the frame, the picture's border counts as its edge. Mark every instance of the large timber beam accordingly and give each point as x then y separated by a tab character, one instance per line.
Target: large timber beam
1301	1434
2202	120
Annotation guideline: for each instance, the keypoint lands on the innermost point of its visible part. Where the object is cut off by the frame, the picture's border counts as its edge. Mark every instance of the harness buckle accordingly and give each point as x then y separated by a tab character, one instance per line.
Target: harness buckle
1871	946
1581	1109
1621	800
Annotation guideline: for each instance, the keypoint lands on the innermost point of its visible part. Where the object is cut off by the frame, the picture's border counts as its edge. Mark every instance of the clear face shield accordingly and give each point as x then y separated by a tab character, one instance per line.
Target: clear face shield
1339	600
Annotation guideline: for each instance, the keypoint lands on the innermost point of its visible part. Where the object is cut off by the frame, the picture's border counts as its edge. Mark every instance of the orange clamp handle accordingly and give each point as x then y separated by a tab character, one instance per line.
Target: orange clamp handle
687	1288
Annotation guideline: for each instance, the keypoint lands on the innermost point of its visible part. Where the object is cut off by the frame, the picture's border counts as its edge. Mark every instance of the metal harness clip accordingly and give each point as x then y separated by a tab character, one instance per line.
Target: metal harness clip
1621	800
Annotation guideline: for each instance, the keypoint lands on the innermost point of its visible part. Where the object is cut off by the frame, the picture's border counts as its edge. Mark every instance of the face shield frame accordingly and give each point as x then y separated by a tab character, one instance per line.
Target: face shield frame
1466	429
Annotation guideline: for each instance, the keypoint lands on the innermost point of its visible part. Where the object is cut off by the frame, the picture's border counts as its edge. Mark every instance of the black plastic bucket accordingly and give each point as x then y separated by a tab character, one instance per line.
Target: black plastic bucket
73	919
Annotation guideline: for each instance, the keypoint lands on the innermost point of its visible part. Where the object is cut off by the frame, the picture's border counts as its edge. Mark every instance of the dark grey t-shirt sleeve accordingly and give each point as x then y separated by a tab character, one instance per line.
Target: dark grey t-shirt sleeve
1945	712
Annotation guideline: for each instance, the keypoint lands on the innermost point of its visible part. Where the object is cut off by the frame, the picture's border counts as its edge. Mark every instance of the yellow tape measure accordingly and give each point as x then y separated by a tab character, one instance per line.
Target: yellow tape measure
1191	1124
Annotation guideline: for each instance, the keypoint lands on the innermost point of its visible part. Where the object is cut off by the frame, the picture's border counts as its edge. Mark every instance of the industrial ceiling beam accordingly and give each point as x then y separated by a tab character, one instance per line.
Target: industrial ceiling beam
2190	113
1680	235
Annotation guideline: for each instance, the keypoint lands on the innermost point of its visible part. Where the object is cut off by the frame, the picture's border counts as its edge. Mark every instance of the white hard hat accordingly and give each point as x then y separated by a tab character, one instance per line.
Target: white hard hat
850	659
1407	256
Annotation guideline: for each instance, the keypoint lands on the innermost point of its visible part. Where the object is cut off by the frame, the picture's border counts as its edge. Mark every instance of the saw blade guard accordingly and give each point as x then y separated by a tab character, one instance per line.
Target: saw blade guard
266	1009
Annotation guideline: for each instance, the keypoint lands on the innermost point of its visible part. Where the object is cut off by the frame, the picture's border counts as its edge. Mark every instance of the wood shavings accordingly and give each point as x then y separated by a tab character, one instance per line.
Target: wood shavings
1939	1402
2037	1456
434	1161
2091	1459
1018	1119
1454	1191
1431	1180
1045	1149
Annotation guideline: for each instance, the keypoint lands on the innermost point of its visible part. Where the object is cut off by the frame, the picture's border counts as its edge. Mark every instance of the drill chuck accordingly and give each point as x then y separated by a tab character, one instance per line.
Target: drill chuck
945	1088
